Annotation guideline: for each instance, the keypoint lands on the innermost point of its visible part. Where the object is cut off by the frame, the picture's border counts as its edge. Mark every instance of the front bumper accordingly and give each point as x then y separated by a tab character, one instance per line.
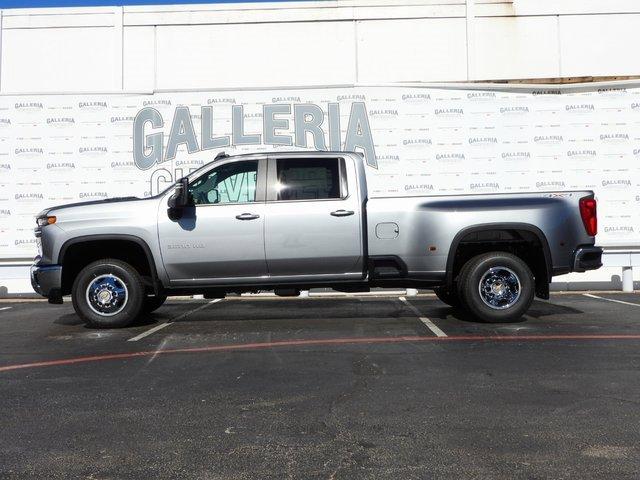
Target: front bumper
587	258
46	280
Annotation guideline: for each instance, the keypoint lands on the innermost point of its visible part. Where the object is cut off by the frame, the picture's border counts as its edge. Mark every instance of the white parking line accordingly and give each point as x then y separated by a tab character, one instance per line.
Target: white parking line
428	323
5	308
146	333
611	300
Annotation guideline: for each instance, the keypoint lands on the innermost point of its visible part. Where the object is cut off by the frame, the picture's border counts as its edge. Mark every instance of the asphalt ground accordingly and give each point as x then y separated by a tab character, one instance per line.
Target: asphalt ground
333	388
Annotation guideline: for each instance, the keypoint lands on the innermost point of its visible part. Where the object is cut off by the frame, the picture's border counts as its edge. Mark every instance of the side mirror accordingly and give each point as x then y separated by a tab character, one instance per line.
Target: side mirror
179	199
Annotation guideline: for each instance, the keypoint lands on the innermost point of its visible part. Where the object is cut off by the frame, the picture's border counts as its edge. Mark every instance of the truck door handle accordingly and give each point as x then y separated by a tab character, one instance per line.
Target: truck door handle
247	216
342	213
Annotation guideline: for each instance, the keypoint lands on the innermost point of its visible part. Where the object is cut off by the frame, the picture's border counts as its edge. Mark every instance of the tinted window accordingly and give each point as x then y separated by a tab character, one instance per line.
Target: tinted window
230	183
308	179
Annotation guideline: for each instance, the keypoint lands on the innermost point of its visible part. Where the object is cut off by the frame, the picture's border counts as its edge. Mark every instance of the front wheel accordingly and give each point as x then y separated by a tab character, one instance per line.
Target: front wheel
108	293
496	287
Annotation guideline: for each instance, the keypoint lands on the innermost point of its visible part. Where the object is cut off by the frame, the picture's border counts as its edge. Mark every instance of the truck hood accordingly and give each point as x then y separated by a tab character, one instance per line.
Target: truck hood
105	215
46	211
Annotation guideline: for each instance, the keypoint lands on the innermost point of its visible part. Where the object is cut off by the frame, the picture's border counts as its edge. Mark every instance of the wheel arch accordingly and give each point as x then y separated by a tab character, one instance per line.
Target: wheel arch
541	287
112	240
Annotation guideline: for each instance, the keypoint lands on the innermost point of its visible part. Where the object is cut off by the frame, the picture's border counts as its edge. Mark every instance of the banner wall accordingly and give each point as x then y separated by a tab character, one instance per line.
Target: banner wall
417	141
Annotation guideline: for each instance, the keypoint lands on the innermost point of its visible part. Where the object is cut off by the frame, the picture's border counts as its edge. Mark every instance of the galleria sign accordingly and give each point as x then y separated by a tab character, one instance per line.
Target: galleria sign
308	123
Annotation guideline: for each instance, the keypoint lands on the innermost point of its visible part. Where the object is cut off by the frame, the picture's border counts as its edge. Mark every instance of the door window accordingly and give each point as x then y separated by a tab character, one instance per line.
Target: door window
309	179
229	183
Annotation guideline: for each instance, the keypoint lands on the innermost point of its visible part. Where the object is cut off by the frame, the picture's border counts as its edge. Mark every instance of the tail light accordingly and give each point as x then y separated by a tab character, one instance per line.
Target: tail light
589	216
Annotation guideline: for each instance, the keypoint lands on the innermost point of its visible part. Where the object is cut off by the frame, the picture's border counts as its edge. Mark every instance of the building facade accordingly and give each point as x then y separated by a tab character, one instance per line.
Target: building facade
441	96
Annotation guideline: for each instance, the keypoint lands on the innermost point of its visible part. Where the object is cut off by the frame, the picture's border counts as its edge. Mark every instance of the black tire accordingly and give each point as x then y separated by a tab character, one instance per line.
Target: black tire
114	280
450	297
152	303
462	274
508	289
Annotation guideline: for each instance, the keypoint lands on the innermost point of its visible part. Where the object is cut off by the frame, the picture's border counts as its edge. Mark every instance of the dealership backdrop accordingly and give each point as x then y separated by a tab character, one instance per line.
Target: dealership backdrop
411	84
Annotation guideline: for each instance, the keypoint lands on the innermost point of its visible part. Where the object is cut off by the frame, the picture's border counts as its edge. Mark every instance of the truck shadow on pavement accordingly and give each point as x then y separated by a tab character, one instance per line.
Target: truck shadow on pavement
71	319
543	309
320	310
538	310
299	310
68	319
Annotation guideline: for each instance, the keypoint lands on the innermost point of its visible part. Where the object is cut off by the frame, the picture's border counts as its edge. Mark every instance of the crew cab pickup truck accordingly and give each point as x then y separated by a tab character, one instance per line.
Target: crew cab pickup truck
293	221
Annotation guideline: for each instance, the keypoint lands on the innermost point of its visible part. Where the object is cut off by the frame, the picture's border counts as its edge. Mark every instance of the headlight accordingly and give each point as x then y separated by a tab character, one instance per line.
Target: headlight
46	220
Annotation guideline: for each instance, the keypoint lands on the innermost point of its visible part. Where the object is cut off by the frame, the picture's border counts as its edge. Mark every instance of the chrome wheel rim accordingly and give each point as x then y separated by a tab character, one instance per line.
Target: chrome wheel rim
107	295
499	288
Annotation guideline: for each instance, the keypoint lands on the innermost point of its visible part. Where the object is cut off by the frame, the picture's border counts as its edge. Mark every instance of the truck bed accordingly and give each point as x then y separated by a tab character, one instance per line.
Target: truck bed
428	227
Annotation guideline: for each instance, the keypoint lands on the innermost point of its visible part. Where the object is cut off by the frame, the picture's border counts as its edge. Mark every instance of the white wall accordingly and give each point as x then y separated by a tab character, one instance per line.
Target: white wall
57	59
254	55
146	48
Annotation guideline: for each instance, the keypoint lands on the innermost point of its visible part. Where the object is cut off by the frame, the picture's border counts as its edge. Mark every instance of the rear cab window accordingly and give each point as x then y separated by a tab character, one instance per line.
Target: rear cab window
310	179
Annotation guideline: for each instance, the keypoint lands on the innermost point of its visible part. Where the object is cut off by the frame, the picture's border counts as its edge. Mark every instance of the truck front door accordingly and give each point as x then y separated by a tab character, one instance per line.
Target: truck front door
313	224
220	239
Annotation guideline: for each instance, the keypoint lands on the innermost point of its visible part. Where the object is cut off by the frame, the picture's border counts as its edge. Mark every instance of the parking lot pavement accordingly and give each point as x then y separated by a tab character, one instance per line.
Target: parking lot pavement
355	387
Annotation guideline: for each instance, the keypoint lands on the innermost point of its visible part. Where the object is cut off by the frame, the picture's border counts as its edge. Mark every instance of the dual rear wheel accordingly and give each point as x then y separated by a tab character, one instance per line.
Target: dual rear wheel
110	293
492	287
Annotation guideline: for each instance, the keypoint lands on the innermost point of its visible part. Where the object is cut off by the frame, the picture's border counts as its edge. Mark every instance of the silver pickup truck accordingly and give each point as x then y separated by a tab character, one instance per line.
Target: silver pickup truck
293	221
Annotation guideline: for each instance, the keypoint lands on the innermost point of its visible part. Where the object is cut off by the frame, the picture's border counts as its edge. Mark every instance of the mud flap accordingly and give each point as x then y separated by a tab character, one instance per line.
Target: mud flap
542	289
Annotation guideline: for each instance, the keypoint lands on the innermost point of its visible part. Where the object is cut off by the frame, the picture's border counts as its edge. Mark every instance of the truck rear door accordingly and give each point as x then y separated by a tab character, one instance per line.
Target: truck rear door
313	218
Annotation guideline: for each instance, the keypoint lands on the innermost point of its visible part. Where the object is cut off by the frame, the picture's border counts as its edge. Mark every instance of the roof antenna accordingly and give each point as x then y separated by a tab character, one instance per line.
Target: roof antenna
221	155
